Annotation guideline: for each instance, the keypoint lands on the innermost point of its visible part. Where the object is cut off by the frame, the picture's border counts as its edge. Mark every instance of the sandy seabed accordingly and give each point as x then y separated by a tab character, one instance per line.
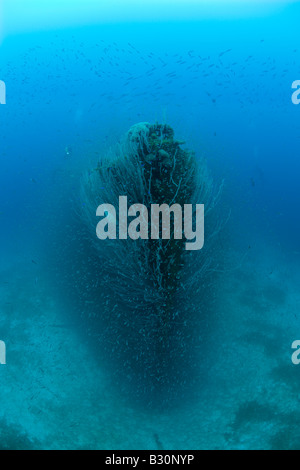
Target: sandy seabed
55	396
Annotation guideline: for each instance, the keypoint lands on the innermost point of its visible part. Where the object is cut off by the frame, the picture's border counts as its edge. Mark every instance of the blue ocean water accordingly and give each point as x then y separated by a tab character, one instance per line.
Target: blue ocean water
73	89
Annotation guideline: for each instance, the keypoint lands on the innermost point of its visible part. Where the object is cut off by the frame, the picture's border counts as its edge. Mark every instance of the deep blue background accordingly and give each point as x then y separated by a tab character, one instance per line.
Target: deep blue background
82	88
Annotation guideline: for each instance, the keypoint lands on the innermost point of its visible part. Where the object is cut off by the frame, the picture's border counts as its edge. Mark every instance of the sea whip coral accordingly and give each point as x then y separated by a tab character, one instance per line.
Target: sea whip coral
152	289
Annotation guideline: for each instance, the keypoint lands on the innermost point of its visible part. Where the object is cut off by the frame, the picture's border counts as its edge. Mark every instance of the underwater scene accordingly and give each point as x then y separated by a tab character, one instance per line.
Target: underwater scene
150	230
